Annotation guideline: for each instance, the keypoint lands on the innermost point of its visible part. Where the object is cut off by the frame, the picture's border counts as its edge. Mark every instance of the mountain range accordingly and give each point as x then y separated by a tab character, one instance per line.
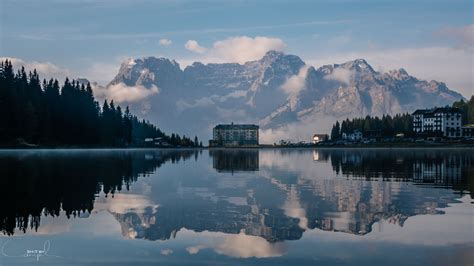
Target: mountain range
286	97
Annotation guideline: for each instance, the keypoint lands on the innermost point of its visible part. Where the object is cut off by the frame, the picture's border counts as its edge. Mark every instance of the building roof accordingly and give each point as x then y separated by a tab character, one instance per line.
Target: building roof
437	110
236	126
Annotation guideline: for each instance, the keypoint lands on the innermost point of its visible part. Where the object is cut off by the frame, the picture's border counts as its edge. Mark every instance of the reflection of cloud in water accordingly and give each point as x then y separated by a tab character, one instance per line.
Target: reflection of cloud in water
292	208
245	246
166	252
195	249
233	245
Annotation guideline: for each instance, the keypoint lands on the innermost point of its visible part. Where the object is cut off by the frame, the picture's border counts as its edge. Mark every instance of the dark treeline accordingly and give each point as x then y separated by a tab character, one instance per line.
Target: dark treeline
47	114
35	184
467	109
387	126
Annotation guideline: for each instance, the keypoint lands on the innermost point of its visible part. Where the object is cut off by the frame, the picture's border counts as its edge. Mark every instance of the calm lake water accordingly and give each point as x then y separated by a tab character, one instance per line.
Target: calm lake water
219	207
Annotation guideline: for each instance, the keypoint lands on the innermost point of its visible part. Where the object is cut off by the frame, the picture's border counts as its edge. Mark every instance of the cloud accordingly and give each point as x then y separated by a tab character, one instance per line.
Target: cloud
46	70
298	131
122	93
165	42
102	72
194	46
296	83
242	49
342	75
462	36
237	49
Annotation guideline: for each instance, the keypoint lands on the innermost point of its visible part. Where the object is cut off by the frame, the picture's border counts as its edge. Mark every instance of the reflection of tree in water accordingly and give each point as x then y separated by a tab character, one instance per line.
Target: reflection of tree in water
275	203
439	168
280	205
35	184
385	184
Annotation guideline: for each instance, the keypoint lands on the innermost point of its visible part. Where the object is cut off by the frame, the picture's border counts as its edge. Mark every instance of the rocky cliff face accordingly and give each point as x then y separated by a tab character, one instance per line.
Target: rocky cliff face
279	92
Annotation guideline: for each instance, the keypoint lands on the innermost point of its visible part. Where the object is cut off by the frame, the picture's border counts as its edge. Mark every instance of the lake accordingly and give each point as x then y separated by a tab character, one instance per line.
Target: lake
236	207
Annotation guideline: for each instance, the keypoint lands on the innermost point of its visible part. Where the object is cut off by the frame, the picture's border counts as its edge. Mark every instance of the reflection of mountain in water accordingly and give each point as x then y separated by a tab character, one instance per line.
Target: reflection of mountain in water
35	183
234	160
279	204
273	194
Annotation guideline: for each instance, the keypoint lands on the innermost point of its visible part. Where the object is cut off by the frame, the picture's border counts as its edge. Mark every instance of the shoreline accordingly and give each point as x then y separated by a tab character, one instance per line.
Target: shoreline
261	147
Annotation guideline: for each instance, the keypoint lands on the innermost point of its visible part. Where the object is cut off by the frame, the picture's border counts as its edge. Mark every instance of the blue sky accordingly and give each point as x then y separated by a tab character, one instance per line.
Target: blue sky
89	38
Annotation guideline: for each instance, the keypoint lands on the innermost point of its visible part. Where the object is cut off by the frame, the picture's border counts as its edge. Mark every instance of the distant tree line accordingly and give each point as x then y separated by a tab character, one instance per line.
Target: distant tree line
47	114
387	126
467	109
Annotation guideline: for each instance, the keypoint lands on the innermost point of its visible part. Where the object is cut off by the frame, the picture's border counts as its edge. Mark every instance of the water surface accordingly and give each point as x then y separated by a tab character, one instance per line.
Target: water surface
265	207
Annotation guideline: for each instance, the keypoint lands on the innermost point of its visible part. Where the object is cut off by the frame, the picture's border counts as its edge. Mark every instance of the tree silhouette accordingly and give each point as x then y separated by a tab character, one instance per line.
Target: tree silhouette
45	114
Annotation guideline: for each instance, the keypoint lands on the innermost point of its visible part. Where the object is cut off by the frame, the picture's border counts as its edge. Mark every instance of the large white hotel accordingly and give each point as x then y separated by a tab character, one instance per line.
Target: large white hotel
446	121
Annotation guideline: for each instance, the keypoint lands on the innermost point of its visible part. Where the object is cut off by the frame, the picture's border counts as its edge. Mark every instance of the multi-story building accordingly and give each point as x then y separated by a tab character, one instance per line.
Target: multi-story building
234	135
468	131
444	121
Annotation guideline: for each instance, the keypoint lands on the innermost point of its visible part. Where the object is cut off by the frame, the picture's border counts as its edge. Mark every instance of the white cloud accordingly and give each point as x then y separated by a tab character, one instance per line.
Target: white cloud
45	70
449	65
296	83
237	49
342	75
102	72
122	93
298	131
165	42
242	49
194	46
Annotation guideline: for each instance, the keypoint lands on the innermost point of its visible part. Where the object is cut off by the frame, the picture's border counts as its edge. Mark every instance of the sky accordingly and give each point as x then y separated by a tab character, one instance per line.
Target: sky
90	38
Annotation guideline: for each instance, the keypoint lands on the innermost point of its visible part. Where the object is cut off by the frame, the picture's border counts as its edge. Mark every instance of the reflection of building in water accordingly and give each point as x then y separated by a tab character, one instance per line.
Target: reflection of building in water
234	160
276	204
438	171
320	156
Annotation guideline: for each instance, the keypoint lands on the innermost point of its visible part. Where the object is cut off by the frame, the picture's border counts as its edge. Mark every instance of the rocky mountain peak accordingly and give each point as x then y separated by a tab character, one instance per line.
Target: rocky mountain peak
272	91
400	74
358	65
